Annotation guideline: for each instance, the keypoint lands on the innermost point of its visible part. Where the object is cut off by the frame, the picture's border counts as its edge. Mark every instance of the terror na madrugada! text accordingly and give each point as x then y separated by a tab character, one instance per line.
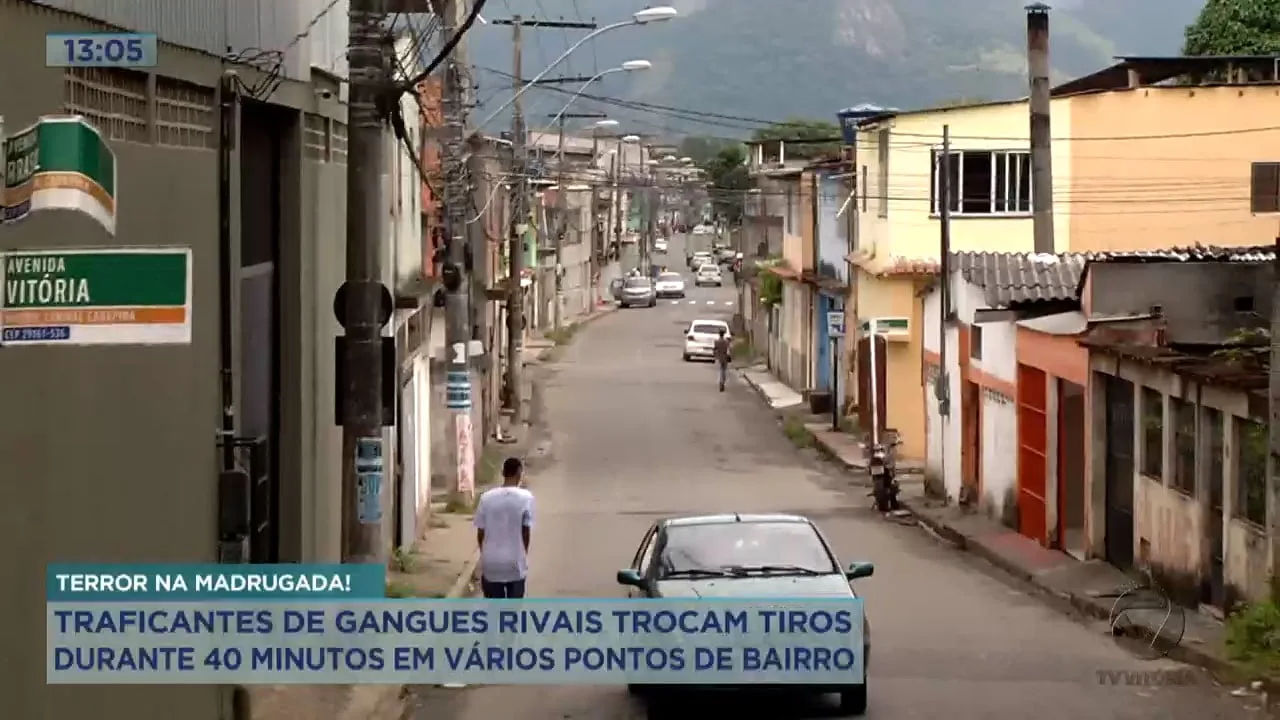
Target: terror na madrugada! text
359	622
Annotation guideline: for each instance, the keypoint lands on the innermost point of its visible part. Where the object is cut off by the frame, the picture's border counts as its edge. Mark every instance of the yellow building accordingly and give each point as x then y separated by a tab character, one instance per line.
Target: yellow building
1135	166
898	237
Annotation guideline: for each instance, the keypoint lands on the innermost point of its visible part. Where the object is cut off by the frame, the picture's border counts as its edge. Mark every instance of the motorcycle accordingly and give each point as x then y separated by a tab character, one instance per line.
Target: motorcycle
882	467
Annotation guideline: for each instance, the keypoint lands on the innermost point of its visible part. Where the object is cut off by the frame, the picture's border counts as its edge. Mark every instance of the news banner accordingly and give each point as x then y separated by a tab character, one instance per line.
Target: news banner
333	624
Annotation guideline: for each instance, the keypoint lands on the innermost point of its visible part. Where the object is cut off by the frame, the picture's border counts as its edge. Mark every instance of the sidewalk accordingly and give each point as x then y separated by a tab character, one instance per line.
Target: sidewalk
774	391
440	565
1090	587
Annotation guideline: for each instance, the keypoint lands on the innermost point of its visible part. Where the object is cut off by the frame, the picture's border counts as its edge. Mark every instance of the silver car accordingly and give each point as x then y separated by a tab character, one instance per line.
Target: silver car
637	292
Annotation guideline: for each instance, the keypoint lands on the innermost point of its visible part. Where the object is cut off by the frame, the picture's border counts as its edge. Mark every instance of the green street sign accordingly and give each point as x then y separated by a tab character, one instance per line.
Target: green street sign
59	163
117	296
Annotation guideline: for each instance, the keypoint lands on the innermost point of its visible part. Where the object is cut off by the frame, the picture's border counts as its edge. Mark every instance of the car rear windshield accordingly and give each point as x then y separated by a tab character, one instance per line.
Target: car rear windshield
637	282
669	277
707	329
718	546
708	269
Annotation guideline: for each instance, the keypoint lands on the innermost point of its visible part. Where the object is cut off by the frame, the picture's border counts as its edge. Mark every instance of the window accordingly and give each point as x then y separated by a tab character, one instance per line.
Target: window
975	342
1251	471
645	553
1152	433
720	545
1213	426
1264	187
882	149
1184	445
984	182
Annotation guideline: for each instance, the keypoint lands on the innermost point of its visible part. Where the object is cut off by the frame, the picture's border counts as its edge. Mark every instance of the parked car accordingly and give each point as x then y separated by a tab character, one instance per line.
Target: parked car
748	557
700	338
702	230
660	245
725	254
670	285
638	292
708	274
698	259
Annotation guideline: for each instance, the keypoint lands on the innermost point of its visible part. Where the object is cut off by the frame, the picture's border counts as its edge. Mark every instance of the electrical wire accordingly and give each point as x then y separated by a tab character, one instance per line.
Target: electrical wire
446	50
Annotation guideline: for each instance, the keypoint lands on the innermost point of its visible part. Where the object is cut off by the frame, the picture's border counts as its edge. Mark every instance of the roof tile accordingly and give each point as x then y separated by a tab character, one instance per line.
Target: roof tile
1015	278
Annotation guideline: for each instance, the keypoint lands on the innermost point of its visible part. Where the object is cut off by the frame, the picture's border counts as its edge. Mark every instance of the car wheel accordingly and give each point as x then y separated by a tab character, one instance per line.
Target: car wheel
686	357
853	700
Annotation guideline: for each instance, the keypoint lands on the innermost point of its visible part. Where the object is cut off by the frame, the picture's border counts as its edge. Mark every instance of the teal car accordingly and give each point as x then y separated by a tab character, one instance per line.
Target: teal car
748	556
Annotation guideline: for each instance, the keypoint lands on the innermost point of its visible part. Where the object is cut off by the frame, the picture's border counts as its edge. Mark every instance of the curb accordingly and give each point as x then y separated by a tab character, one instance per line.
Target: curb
462	585
1084	604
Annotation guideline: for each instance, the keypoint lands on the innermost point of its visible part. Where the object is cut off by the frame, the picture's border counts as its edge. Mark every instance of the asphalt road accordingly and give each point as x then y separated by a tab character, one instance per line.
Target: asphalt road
639	435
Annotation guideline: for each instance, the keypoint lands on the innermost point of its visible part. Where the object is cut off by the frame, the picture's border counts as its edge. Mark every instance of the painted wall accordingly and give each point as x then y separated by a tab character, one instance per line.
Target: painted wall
995	374
894	296
87	497
1122	189
1169	525
833	243
895	212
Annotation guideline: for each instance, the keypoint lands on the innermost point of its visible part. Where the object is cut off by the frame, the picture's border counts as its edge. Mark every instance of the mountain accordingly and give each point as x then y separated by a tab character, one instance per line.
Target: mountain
774	59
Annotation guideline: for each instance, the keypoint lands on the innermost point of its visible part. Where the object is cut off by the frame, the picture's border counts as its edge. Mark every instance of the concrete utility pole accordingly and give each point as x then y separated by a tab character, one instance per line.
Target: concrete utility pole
1041	152
616	205
363	300
520	206
561	227
454	275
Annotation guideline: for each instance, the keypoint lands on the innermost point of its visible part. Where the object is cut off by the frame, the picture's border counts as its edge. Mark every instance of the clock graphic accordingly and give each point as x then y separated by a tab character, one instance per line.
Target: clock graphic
124	50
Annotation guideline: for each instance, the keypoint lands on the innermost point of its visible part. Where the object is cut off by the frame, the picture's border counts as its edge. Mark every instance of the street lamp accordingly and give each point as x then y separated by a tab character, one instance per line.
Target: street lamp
642	17
562	200
628	66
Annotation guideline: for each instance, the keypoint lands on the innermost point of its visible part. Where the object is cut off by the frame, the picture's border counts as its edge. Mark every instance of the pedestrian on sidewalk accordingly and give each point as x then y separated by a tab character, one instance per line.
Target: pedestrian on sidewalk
504	522
724	353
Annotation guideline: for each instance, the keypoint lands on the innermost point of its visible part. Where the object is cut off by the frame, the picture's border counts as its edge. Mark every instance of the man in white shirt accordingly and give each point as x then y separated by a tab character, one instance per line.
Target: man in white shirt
504	520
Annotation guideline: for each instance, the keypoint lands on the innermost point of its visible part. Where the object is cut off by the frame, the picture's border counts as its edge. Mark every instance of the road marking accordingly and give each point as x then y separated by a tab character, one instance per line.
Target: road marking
711	302
693	302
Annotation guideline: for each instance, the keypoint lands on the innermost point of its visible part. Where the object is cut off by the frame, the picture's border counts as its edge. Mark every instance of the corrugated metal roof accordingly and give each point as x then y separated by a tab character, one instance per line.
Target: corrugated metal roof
1192	253
1014	278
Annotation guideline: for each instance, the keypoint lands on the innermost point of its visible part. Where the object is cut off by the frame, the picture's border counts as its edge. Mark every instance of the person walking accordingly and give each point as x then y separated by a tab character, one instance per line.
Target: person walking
724	353
504	523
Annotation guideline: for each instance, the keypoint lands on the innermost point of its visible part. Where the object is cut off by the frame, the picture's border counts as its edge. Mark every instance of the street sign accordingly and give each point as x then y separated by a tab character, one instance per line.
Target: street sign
124	296
59	163
835	323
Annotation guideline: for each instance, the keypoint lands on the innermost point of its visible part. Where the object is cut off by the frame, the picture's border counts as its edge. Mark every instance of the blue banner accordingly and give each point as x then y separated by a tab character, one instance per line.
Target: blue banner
555	642
84	582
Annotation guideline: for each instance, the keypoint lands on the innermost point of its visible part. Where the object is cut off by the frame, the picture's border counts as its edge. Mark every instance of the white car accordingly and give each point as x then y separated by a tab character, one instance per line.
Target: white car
700	258
702	230
660	245
708	274
670	285
700	338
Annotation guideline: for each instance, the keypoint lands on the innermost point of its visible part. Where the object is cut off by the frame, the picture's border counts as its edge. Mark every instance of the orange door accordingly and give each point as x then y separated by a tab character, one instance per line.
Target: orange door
1033	451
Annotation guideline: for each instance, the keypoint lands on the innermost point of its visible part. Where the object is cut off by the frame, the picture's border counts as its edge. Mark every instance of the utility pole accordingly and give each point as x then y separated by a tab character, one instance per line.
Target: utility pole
562	225
515	246
363	300
520	206
1039	103
457	291
618	164
1273	459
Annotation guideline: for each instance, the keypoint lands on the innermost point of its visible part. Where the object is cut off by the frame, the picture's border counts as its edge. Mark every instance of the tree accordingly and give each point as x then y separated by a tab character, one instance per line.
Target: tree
803	129
729	180
703	149
1235	27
